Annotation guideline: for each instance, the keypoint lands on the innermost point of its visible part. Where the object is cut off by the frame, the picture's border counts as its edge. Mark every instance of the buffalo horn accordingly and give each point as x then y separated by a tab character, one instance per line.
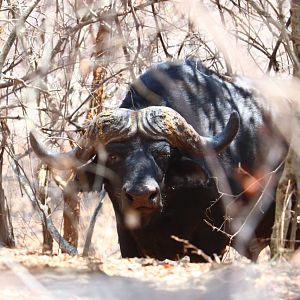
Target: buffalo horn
163	122
158	122
108	126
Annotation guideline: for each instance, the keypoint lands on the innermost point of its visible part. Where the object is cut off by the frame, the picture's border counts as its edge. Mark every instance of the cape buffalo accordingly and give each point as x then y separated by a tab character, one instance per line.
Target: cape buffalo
193	155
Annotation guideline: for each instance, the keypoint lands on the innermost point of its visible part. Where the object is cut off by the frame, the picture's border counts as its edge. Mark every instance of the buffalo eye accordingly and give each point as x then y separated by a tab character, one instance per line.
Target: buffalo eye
113	158
161	155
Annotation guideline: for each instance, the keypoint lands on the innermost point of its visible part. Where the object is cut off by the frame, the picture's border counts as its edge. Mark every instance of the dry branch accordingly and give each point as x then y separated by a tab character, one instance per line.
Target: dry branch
43	177
193	248
90	230
42	209
282	218
12	37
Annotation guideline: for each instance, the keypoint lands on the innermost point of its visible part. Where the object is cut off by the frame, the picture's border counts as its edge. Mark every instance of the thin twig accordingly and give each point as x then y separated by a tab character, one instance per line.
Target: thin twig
195	250
159	35
90	231
42	209
272	61
11	38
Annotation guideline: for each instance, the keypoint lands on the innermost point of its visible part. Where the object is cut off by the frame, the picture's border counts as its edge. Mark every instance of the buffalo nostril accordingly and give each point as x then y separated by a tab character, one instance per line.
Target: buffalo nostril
129	197
153	196
143	197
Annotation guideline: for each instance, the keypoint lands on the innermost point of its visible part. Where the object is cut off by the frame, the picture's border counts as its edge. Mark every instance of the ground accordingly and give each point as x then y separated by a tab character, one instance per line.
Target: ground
27	275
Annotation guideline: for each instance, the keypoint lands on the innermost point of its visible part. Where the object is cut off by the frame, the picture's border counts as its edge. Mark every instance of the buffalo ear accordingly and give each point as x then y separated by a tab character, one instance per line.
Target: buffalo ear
184	172
88	177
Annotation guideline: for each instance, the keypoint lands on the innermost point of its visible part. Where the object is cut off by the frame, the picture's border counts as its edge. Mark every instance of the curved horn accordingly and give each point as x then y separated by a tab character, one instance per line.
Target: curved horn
62	161
112	125
106	127
164	122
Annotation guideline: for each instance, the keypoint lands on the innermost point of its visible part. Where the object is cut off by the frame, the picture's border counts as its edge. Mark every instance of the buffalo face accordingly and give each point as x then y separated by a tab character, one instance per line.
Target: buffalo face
140	166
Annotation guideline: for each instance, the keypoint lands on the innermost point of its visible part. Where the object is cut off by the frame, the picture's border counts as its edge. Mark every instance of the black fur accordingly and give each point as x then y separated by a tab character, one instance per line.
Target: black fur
188	191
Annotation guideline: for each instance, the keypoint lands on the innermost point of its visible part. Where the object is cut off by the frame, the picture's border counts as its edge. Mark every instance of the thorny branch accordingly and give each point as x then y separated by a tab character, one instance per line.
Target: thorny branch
268	178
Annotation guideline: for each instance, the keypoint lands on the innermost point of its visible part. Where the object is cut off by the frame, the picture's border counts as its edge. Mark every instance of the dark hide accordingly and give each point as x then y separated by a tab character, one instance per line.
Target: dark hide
173	193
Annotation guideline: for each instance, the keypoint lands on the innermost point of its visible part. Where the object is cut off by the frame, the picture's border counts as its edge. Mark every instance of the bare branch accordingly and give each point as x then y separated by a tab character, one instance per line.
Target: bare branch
158	30
13	34
90	231
42	209
193	248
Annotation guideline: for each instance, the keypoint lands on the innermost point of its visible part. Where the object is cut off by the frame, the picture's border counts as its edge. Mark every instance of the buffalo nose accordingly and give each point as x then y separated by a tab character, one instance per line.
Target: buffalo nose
145	197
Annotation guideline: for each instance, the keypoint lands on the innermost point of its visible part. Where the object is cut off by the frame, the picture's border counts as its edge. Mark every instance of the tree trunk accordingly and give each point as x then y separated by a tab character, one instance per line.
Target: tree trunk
6	230
71	213
42	194
291	174
99	72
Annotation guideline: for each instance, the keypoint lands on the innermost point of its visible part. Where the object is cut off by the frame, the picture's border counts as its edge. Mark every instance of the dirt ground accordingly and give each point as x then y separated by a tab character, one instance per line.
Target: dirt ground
26	275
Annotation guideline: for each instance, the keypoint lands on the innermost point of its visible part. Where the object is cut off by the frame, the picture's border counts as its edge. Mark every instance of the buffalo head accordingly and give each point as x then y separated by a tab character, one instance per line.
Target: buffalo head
140	145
